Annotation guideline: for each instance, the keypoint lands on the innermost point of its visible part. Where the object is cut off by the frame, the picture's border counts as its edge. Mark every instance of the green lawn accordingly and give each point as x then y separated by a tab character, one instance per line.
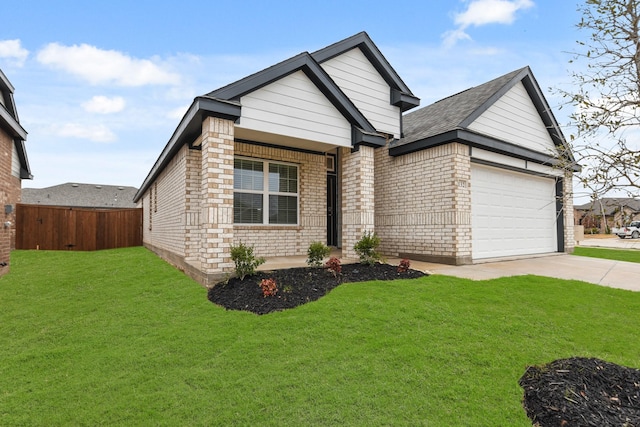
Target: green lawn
629	255
120	338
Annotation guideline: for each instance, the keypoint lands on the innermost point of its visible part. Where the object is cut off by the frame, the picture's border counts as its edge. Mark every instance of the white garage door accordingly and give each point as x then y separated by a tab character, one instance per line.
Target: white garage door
511	213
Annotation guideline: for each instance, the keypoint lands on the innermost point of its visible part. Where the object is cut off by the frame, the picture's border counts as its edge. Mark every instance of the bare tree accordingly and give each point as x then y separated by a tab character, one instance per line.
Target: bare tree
606	97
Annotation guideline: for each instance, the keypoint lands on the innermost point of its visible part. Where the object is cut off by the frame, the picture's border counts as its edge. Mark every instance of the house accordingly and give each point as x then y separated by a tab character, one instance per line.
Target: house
607	213
14	167
77	195
316	148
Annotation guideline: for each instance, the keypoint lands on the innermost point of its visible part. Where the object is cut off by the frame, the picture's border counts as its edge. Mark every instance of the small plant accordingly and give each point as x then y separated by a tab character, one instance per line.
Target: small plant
316	252
334	266
246	262
269	287
366	248
404	265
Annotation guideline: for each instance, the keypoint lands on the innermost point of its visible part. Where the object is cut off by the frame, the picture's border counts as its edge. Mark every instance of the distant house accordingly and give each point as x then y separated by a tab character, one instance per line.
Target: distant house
607	213
318	148
76	195
14	167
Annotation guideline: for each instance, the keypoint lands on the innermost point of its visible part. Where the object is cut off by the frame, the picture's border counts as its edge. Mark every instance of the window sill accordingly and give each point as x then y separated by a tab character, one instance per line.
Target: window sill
273	227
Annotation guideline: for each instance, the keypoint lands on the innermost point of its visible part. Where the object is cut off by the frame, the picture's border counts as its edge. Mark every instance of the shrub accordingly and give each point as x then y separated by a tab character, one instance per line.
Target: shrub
404	265
269	287
246	262
366	248
334	266
316	252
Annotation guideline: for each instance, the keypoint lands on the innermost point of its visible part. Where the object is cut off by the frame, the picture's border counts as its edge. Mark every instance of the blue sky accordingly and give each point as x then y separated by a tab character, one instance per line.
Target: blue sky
101	86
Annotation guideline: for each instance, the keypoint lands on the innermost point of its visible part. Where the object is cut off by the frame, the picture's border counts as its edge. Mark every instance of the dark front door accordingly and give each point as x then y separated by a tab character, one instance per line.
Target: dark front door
332	214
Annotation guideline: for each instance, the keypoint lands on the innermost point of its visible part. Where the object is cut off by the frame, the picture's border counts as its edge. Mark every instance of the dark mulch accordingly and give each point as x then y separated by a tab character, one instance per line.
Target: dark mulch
582	392
297	286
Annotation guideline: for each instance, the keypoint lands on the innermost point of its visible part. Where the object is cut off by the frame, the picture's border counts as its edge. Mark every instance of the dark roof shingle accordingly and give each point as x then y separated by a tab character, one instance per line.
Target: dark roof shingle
81	195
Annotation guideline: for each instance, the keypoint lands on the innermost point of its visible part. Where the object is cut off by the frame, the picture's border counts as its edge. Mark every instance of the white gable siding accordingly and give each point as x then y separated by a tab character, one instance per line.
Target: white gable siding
514	118
295	107
366	88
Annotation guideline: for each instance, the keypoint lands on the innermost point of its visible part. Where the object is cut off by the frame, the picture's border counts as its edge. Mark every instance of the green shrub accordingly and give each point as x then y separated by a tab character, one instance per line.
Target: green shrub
366	248
316	253
246	262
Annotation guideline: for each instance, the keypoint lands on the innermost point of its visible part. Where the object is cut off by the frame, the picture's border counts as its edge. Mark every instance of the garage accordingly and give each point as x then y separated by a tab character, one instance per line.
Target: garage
512	213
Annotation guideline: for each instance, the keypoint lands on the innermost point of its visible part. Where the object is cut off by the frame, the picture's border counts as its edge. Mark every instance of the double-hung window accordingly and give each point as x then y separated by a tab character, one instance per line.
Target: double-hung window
264	192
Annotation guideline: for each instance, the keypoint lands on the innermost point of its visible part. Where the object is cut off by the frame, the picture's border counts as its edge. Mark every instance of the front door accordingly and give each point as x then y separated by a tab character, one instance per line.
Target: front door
332	202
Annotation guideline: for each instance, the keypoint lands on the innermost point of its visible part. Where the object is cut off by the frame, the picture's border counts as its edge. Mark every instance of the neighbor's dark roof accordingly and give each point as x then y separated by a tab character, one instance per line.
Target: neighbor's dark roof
610	204
81	195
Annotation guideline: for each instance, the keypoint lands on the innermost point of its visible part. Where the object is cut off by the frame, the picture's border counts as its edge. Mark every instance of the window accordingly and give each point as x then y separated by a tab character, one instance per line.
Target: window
261	187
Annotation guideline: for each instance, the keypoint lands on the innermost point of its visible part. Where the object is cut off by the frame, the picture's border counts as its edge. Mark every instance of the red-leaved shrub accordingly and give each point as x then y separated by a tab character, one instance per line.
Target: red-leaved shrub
334	265
269	287
404	265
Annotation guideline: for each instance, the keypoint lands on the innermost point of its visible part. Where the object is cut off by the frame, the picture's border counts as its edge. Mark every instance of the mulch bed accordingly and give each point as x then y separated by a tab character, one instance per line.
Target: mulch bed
297	286
582	392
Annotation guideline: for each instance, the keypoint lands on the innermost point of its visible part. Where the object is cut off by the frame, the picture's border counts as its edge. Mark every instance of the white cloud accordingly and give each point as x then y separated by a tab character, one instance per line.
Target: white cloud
99	66
13	51
104	105
177	113
484	12
95	133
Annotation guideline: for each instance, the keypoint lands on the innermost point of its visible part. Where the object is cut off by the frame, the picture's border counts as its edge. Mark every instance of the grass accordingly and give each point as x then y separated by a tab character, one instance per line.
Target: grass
120	338
628	255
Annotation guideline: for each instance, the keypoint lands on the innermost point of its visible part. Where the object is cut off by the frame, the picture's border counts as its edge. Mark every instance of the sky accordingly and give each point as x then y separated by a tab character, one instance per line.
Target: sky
100	86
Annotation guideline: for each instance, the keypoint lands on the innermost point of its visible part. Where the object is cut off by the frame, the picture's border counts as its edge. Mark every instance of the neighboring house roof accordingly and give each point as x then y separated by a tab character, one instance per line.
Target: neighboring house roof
10	122
449	119
225	101
81	195
611	205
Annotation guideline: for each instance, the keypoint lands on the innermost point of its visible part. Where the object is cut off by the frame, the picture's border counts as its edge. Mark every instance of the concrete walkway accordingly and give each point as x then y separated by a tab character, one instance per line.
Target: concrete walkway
615	274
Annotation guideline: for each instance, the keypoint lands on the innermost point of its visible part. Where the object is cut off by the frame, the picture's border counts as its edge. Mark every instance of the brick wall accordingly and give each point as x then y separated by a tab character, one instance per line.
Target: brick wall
423	204
164	207
288	240
10	192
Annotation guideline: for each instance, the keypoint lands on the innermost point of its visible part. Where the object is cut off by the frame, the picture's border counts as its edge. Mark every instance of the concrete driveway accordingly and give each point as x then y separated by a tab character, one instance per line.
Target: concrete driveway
615	274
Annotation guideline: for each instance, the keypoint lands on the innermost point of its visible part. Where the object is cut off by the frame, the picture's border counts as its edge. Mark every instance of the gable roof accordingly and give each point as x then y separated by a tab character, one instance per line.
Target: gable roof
81	195
401	95
10	122
302	62
610	205
448	120
225	101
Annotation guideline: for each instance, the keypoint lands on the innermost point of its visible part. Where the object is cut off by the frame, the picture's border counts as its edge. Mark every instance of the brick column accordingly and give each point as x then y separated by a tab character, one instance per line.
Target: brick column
216	214
357	197
567	208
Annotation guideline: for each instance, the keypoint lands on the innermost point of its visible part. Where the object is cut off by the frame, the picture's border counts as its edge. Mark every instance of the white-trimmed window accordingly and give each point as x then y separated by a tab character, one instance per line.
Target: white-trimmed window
261	186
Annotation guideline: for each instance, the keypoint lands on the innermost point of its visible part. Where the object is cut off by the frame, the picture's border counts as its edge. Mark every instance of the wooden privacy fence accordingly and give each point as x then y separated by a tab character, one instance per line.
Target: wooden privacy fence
77	229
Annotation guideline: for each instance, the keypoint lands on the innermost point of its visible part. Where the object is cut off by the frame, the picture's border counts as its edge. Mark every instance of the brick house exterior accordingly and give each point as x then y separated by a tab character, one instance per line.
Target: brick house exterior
317	148
14	167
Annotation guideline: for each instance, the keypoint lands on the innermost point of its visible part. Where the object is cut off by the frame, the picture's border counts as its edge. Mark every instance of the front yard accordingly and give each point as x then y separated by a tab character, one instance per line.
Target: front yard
119	337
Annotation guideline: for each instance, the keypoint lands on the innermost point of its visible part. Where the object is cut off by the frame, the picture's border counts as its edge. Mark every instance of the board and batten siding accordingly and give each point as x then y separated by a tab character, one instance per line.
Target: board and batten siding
514	118
366	88
295	107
